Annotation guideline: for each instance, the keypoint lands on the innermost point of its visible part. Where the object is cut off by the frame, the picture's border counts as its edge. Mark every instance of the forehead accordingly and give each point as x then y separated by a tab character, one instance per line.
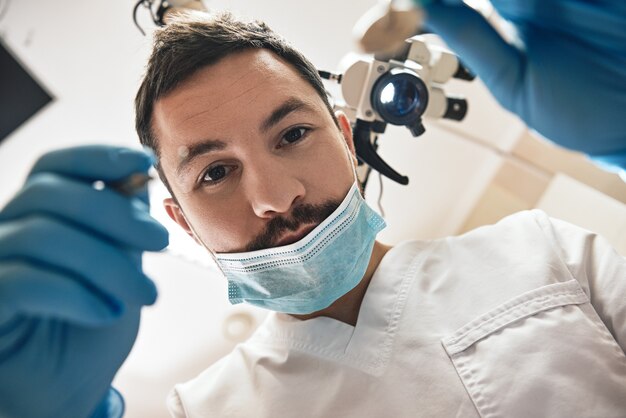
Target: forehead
238	90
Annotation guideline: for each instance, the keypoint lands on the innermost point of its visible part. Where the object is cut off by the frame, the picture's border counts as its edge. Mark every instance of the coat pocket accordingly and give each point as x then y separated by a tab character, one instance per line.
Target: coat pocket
544	353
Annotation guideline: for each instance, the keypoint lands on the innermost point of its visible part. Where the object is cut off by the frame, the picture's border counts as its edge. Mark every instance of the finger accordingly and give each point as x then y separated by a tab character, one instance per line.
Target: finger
143	195
500	65
597	23
121	219
32	291
61	247
95	162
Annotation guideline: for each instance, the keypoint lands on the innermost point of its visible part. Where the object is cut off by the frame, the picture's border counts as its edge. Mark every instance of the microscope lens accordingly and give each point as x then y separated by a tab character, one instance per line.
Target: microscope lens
400	97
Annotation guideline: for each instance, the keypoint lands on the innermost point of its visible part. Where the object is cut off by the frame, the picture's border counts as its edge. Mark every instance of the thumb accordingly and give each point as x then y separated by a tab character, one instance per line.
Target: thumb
501	66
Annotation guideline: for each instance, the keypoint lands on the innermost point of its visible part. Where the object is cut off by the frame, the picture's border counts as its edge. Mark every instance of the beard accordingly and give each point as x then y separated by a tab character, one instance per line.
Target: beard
304	214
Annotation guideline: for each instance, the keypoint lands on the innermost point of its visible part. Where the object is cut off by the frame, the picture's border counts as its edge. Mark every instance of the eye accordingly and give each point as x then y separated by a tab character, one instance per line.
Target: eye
216	173
294	135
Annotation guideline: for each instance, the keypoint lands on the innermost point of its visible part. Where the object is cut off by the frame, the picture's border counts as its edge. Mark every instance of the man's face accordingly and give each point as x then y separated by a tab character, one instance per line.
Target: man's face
251	153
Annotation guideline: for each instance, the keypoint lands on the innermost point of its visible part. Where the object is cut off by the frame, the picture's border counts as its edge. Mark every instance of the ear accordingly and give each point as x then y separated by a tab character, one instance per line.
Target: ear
174	211
346	130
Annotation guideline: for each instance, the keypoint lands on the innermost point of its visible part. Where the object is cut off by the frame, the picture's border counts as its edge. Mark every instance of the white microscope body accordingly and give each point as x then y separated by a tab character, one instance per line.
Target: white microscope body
433	64
398	88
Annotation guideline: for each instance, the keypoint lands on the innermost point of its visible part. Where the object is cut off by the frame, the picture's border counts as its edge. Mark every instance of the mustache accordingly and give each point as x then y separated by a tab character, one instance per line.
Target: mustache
300	215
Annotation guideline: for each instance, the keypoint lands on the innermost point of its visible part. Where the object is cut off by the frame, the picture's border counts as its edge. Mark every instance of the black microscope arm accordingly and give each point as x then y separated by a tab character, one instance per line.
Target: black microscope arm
362	133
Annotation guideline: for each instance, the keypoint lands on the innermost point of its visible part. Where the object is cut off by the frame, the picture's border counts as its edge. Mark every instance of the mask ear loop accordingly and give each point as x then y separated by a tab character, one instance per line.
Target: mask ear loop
352	158
198	239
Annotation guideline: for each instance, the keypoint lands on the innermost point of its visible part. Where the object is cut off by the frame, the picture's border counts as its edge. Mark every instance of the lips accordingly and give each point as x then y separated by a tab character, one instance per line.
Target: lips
294	236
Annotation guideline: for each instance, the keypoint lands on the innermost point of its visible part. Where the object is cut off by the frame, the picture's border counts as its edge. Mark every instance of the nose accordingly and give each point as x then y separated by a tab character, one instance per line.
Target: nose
273	188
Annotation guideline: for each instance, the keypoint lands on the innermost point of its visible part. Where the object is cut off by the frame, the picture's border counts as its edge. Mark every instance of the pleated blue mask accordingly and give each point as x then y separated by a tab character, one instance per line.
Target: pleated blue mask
308	275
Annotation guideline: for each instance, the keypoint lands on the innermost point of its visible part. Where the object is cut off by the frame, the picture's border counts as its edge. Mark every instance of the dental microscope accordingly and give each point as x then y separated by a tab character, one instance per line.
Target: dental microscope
399	88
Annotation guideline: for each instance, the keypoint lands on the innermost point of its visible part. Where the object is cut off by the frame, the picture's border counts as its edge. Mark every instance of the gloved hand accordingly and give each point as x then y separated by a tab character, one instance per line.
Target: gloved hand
71	283
569	81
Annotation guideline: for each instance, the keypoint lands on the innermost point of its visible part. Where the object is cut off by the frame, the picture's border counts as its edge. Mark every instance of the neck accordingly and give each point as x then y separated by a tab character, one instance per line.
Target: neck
346	308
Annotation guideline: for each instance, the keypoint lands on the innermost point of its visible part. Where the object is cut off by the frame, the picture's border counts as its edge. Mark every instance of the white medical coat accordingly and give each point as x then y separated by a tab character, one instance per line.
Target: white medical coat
525	318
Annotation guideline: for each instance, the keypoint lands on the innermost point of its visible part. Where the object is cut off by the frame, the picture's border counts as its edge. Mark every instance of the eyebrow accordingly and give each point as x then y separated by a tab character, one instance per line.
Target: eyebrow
196	150
289	106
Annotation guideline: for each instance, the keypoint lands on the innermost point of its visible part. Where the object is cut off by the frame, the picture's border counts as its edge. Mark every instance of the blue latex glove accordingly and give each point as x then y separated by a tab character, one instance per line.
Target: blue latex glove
71	283
569	82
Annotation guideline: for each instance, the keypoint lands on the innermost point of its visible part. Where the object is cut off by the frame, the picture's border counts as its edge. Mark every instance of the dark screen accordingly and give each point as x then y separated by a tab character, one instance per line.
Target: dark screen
21	96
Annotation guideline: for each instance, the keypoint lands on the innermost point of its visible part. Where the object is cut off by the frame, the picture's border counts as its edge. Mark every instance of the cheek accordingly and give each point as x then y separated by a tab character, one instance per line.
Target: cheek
221	224
331	169
220	227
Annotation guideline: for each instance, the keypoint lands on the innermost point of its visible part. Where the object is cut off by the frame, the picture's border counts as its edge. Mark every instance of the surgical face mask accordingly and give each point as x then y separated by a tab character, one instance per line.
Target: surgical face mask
308	275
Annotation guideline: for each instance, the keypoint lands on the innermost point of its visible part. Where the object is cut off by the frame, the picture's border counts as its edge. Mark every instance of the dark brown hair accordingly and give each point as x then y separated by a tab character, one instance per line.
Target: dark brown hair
195	40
